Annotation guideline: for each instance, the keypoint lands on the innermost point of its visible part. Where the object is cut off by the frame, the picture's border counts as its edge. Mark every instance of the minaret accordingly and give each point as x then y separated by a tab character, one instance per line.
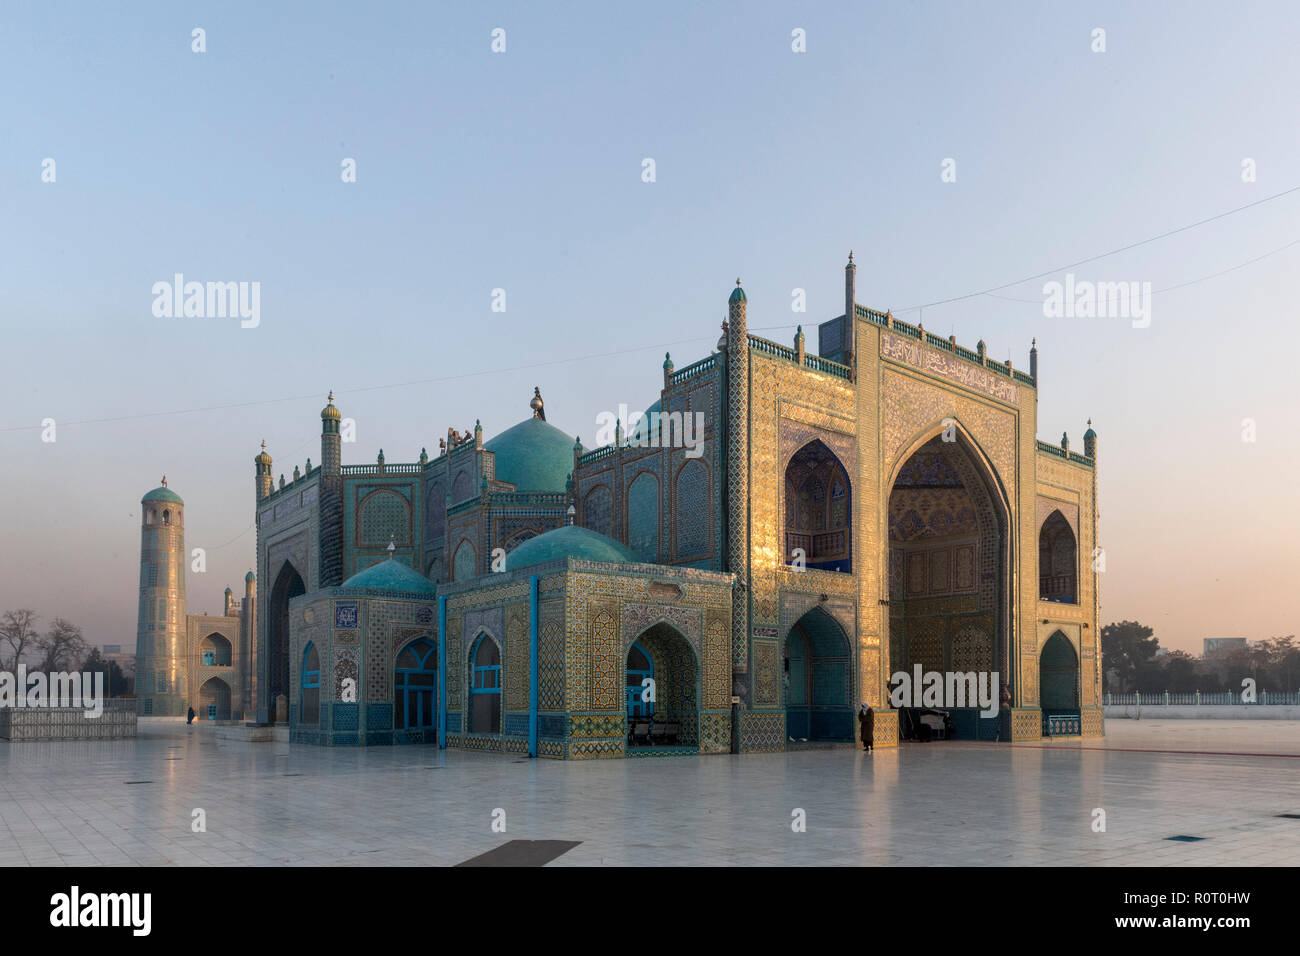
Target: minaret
262	470
161	662
850	316
248	641
738	486
331	495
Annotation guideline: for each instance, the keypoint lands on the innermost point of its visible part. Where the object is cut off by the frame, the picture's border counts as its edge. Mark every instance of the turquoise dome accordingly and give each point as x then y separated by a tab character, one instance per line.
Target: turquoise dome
163	493
737	294
250	576
533	456
570	542
392	575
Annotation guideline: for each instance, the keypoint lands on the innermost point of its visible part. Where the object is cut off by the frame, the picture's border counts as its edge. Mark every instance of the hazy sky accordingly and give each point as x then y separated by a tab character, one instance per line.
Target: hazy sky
523	171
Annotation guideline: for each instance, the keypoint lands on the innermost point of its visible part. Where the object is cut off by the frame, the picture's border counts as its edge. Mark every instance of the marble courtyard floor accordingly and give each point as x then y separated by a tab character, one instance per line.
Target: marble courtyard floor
124	803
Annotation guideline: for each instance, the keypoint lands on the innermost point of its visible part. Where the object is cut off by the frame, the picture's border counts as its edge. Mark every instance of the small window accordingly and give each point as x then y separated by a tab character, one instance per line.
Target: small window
212	711
167	517
209	657
309	704
485	687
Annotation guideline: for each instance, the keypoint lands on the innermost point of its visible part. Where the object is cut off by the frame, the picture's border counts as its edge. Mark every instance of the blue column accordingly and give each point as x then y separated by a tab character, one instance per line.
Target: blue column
532	666
442	673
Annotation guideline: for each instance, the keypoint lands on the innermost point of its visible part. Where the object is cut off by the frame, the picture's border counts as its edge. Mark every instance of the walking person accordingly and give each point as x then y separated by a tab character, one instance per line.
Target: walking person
867	725
189	718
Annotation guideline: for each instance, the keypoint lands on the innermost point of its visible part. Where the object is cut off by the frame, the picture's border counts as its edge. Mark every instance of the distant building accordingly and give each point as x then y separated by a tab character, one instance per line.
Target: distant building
1216	646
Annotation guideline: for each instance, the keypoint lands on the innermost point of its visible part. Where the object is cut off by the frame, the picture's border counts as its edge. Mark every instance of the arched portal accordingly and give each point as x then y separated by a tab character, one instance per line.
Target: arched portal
415	687
818	510
818	679
949	574
1058	556
672	716
288	585
214	699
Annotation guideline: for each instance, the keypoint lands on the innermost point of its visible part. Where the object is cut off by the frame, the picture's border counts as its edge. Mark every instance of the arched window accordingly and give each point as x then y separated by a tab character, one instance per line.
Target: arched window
309	703
818	512
167	516
148	516
485	687
639	668
464	563
215	651
1057	561
415	684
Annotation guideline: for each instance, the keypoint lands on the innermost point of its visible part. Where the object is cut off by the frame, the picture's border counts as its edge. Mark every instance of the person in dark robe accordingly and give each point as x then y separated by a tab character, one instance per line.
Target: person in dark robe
867	725
189	718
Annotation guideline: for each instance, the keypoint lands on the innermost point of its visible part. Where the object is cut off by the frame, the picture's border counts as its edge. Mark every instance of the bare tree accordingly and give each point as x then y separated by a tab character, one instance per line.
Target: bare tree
18	637
62	647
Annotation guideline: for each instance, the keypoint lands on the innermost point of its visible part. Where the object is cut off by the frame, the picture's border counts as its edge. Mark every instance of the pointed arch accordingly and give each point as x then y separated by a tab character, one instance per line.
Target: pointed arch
288	584
1058	560
309	698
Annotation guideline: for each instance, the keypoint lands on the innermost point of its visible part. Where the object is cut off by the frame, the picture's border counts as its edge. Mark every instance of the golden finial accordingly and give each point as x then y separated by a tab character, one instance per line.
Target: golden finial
331	398
164	481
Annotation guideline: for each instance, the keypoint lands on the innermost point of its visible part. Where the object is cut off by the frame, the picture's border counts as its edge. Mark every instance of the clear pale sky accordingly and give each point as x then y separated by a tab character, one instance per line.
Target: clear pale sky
522	171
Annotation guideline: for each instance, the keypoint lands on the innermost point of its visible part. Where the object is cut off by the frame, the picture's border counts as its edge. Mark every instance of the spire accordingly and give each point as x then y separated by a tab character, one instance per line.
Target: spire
537	405
164	481
392	547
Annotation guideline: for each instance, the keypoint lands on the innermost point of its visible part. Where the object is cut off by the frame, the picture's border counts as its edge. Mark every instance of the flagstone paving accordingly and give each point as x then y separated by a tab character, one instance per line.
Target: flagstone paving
133	802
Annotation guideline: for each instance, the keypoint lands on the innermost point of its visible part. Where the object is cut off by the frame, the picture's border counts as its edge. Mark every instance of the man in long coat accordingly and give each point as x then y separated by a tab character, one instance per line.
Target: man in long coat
867	725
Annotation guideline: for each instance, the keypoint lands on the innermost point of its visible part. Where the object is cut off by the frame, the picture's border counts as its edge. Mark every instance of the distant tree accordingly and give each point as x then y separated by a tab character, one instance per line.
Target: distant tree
1181	673
18	637
62	647
1127	651
115	682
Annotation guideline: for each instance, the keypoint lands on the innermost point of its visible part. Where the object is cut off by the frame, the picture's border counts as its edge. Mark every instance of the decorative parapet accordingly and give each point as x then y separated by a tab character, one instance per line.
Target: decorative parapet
290	487
886	321
816	363
1048	448
597	455
414	469
691	371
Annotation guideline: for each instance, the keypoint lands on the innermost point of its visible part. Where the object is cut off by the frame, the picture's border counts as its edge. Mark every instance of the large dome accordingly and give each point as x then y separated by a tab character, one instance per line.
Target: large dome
533	456
570	542
391	575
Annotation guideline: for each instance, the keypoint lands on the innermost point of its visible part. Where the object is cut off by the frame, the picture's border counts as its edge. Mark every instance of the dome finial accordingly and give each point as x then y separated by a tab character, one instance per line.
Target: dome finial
164	481
391	548
537	405
331	397
850	257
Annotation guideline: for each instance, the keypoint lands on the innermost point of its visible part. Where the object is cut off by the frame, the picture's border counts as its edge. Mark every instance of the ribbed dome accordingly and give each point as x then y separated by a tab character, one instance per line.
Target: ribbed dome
533	456
250	576
391	575
329	411
570	542
737	294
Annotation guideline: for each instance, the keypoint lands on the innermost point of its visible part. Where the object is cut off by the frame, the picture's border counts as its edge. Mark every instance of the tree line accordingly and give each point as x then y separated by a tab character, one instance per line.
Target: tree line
1130	662
60	647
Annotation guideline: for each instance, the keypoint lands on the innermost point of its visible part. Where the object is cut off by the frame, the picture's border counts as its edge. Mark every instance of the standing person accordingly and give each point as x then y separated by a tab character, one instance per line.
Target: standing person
867	725
189	718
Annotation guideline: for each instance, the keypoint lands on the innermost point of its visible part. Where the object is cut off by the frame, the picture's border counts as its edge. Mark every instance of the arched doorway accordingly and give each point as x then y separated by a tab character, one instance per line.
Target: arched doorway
415	688
818	680
288	585
1058	556
309	698
818	510
485	686
949	574
1058	685
214	699
671	715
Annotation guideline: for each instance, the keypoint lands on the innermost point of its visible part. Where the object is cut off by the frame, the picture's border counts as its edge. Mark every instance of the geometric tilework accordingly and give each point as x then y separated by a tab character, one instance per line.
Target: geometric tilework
762	733
606	668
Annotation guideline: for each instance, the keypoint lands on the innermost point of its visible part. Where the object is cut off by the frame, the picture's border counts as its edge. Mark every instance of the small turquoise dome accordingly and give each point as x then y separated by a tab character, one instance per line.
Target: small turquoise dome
1089	434
163	493
737	294
533	456
392	575
250	576
570	542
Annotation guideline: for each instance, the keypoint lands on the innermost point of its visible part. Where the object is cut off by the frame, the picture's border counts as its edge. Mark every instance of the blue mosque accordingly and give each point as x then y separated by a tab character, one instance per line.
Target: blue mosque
879	504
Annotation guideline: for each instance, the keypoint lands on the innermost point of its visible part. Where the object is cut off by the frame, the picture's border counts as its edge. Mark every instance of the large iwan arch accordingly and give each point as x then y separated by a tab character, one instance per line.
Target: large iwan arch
950	559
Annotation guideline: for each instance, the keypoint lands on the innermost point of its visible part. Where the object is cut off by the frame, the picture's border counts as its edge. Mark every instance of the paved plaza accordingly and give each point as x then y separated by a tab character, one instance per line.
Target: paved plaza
125	803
